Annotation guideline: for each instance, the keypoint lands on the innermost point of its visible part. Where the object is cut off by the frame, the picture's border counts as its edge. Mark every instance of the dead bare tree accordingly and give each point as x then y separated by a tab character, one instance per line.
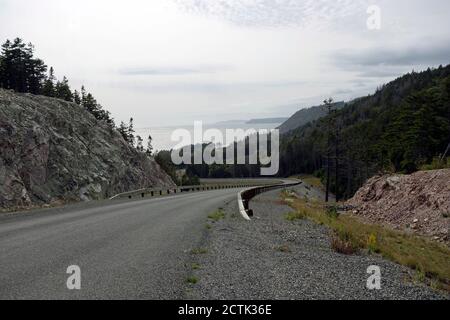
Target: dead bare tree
445	153
329	106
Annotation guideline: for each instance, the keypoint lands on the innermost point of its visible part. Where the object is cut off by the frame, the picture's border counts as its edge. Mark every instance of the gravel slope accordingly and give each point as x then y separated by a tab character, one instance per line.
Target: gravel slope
244	261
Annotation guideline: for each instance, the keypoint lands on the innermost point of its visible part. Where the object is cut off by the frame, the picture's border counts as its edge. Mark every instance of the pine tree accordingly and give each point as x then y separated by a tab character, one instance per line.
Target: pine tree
139	144
76	97
19	70
149	146
130	133
90	104
62	90
49	84
123	130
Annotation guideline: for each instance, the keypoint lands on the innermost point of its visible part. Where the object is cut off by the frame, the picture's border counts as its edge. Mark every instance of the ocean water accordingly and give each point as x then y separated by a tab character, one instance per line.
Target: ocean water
162	135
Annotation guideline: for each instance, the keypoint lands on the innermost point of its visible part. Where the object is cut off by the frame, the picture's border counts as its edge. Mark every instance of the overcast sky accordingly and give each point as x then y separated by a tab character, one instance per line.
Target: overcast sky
170	62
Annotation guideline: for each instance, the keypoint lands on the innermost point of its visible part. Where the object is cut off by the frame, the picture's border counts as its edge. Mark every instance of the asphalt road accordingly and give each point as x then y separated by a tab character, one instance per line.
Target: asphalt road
128	250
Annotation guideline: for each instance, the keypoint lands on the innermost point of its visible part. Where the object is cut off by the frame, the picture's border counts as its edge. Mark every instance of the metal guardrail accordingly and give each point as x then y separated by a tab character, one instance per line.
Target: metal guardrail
245	196
154	192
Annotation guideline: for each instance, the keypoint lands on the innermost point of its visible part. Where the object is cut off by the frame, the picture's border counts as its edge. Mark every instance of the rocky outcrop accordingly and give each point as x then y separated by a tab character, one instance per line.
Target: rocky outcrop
52	150
419	202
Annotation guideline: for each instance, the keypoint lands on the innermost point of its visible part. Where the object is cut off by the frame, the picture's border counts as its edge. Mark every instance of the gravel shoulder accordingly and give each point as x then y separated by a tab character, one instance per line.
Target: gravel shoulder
272	258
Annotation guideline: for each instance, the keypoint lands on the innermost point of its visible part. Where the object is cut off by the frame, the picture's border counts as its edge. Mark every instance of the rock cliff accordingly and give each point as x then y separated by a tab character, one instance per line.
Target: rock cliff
55	151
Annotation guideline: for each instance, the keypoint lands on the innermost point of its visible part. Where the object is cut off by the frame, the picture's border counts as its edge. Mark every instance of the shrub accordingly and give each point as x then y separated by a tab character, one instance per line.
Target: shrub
437	164
332	212
341	243
372	245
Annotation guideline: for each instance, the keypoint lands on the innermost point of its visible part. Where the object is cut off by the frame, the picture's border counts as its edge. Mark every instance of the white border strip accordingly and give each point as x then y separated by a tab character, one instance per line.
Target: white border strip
241	206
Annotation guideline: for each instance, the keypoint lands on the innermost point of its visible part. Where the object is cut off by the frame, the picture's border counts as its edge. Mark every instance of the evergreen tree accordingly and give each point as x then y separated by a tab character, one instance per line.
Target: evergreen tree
123	130
149	146
49	84
127	132
19	70
139	144
130	133
62	90
76	97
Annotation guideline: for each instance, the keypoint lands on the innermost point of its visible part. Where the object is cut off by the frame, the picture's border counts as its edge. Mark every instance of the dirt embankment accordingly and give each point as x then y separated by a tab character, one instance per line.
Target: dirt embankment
419	202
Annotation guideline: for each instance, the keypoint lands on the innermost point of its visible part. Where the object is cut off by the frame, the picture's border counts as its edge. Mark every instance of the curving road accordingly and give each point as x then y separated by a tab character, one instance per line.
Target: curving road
125	250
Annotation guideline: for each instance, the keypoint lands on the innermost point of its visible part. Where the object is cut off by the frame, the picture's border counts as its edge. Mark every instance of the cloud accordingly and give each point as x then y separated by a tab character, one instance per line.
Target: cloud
206	86
171	71
406	56
273	13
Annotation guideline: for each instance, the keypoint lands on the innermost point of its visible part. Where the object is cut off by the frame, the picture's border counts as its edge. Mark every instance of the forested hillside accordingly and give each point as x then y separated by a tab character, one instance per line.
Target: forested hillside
304	116
403	126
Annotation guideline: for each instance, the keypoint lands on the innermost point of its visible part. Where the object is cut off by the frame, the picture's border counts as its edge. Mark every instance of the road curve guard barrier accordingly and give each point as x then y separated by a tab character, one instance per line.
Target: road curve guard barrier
157	192
245	196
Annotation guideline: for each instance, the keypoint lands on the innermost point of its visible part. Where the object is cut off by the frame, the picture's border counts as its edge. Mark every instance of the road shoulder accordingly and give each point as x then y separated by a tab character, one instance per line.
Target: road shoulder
273	258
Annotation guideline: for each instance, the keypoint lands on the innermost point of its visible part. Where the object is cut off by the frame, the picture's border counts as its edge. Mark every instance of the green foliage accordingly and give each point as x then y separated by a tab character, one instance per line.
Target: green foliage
192	280
332	212
149	150
19	69
62	90
179	176
217	215
402	127
298	215
437	164
22	72
190	180
372	244
48	88
127	132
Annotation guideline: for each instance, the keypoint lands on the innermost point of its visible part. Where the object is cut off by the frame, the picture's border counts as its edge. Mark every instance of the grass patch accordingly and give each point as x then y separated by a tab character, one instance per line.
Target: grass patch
297	215
332	212
192	280
312	181
195	266
420	254
217	215
437	164
342	244
199	251
208	226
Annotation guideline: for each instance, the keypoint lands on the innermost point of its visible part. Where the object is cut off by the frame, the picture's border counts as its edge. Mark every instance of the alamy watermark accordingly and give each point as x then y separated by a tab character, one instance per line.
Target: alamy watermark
374	281
252	147
74	280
